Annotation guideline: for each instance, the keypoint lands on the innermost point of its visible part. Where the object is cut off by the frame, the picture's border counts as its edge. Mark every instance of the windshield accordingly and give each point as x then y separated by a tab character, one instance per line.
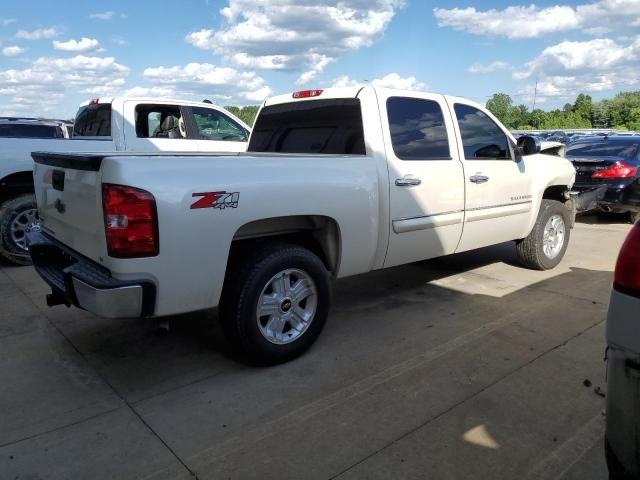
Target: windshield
604	149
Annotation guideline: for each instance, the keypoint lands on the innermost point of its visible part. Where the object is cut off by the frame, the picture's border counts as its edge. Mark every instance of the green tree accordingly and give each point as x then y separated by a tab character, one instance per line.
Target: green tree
501	105
600	115
583	106
247	114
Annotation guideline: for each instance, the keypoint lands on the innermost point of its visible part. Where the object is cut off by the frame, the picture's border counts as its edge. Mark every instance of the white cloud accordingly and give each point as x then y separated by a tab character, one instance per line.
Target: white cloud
295	35
206	79
392	80
41	87
7	21
12	51
568	68
37	34
102	16
80	46
489	68
518	21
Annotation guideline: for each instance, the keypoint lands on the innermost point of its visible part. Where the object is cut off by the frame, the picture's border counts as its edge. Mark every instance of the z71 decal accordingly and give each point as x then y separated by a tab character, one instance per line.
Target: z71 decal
219	200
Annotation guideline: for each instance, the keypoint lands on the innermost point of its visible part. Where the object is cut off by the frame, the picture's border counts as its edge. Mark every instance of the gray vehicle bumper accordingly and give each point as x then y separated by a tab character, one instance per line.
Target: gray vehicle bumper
76	280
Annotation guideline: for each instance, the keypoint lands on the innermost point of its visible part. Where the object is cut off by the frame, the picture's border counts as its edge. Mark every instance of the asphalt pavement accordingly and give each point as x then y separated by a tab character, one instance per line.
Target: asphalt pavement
464	367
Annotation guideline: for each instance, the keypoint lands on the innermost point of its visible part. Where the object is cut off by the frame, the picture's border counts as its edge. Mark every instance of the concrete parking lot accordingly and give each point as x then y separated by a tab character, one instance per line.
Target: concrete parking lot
466	367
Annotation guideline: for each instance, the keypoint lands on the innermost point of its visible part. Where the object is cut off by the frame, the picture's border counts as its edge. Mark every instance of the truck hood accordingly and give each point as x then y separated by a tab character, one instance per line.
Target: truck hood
553	148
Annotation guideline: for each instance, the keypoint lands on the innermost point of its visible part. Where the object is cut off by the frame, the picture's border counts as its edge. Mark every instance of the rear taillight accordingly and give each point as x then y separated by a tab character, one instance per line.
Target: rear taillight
130	221
617	170
626	278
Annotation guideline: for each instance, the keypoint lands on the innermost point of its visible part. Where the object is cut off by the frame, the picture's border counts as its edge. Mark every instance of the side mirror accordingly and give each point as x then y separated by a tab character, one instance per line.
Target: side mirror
528	145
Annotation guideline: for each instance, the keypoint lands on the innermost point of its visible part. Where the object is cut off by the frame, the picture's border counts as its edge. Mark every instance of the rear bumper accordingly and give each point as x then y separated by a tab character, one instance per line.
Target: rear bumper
614	197
76	280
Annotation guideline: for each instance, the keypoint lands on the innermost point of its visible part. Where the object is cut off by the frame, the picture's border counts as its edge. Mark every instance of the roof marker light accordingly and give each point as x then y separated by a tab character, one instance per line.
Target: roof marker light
307	93
95	101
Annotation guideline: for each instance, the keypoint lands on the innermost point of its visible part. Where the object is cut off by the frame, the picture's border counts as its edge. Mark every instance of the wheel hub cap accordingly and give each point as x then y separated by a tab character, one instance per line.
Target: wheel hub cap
553	237
25	222
286	307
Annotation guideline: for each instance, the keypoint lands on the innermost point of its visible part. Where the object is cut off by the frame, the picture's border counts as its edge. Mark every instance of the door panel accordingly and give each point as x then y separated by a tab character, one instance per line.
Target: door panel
498	189
425	176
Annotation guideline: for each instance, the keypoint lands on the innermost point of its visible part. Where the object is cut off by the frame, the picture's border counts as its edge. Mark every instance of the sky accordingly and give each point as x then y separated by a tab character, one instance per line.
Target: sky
54	55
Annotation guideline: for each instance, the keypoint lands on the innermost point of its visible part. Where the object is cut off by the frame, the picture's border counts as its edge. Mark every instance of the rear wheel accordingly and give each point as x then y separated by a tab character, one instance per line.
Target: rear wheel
547	243
275	303
18	217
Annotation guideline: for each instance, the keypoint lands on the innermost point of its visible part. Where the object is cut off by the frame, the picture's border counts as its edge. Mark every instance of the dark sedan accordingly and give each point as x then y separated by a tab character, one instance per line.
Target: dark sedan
613	162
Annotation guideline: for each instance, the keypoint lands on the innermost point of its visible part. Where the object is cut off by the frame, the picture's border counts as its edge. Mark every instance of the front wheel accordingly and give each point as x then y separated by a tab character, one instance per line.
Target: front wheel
547	243
18	217
275	303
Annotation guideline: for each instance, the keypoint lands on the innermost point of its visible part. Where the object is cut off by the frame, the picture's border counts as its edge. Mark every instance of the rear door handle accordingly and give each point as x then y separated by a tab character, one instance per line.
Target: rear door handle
479	178
407	181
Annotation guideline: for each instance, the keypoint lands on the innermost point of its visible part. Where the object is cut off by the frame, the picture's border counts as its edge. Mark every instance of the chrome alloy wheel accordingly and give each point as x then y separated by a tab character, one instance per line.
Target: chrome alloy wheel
553	238
25	222
287	306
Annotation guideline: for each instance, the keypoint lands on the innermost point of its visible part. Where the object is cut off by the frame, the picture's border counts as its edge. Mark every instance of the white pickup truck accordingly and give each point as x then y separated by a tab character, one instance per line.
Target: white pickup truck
108	125
335	183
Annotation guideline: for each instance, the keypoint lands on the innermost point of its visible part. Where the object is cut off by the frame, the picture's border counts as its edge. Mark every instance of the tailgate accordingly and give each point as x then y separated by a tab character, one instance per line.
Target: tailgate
70	200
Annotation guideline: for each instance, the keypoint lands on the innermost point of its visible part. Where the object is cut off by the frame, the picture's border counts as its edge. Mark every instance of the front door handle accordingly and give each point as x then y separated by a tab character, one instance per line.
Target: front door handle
407	181
479	178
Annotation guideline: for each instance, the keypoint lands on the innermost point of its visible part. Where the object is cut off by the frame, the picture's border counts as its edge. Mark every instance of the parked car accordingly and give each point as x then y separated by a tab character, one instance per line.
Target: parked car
612	162
336	182
103	125
21	127
623	364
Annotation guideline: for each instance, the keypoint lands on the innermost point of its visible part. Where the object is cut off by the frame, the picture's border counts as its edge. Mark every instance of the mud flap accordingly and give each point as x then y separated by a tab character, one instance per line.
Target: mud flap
586	200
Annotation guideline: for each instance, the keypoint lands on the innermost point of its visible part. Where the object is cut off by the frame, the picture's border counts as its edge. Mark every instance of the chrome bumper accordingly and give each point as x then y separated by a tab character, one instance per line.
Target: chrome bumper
76	280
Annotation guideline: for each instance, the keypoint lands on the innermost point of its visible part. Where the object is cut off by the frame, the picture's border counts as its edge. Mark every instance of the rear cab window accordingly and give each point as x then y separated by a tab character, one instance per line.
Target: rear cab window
329	126
482	139
93	120
417	127
30	131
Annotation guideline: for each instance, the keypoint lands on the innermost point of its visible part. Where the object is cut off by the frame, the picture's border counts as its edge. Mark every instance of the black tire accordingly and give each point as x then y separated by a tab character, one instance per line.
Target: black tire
530	249
9	249
247	276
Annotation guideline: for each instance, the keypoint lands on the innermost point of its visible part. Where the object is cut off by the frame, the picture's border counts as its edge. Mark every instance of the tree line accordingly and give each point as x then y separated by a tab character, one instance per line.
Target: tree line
621	112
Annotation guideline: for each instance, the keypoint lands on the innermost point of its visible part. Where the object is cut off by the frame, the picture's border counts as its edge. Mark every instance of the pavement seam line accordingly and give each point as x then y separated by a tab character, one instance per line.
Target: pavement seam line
340	396
62	427
456	405
115	391
570	452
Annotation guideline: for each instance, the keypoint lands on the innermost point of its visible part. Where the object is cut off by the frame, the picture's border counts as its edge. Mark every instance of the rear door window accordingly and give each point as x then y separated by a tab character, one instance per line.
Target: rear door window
417	129
481	137
93	121
159	121
331	126
214	125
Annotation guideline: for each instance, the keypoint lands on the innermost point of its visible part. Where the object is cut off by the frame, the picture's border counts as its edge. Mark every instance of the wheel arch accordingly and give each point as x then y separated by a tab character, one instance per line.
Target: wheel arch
16	184
318	233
